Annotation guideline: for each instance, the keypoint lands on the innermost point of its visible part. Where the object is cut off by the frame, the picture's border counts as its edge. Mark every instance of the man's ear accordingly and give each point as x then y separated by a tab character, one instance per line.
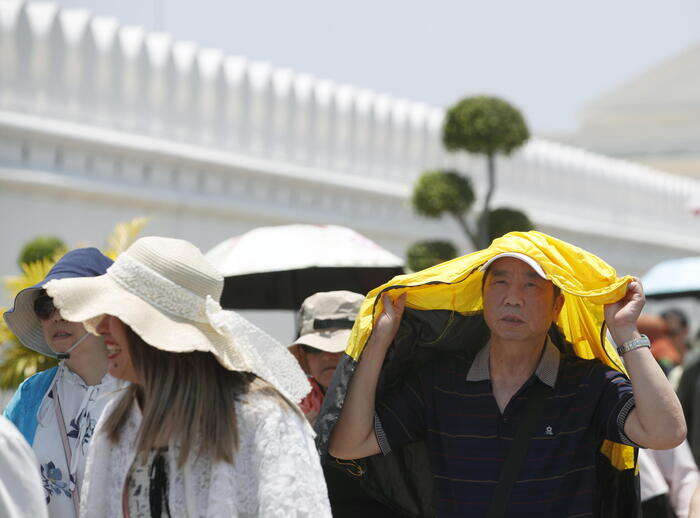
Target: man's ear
558	305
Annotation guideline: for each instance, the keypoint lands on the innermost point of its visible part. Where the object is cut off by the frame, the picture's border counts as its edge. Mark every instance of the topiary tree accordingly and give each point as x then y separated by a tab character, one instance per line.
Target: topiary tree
424	254
439	193
504	220
442	192
488	126
42	247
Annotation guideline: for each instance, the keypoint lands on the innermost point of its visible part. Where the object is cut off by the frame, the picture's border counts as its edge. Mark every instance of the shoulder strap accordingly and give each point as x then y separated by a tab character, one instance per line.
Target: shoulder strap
517	451
73	482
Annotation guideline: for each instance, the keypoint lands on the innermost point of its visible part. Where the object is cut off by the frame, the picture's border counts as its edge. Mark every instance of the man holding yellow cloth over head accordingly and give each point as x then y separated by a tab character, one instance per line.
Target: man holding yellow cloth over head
492	373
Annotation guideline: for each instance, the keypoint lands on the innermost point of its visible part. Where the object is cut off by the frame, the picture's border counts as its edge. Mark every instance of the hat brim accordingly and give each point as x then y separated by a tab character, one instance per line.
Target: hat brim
516	255
329	341
237	345
23	322
89	299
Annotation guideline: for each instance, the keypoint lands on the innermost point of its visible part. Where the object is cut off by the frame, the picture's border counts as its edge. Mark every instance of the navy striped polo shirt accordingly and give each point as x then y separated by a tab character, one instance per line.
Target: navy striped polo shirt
467	437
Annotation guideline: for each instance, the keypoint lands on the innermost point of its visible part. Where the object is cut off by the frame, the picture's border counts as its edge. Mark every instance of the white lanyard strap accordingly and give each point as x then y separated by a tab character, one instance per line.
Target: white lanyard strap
75	490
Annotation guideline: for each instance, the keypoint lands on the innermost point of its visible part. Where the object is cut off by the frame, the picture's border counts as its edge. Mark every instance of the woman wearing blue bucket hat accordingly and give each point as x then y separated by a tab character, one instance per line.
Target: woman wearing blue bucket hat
56	410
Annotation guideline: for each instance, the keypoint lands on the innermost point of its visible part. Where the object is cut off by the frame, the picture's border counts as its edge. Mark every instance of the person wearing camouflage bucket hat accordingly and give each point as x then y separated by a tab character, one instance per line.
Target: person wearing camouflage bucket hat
326	319
325	322
324	326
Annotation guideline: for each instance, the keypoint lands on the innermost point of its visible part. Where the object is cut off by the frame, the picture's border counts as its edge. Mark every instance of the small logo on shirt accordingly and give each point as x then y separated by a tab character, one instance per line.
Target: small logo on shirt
548	431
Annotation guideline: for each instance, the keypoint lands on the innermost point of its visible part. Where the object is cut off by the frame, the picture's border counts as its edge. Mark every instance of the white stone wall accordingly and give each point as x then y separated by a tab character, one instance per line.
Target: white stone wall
100	123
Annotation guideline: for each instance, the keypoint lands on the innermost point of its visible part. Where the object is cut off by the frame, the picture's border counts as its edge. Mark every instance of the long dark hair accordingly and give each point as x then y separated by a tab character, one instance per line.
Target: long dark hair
184	397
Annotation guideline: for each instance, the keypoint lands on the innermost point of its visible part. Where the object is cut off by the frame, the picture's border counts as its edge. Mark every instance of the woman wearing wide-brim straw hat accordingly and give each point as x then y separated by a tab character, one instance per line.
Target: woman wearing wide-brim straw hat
209	426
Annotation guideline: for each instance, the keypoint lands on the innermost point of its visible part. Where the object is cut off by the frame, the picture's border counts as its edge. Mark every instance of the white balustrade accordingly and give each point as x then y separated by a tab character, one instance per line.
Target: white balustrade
9	50
100	104
261	106
157	91
184	82
236	106
281	118
71	66
345	128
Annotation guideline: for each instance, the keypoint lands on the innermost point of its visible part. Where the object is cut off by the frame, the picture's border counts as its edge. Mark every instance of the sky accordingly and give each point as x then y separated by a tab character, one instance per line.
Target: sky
548	57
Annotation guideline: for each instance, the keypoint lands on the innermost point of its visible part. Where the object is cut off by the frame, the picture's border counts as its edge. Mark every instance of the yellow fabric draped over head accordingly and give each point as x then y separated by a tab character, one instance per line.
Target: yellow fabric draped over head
587	282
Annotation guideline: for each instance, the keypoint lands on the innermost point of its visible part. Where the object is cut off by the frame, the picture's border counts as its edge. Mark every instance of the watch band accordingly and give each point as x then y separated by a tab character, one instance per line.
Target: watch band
636	343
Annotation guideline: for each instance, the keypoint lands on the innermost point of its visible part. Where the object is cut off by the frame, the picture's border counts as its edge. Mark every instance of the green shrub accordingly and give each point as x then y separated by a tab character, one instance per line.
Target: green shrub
424	254
504	220
438	192
42	247
485	125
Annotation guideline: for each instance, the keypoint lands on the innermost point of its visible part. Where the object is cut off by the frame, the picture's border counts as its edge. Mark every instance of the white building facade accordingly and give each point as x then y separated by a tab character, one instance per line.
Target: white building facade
653	118
100	123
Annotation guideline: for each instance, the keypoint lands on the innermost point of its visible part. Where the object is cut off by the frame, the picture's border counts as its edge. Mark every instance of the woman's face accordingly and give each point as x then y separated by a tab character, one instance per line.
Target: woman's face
116	339
61	334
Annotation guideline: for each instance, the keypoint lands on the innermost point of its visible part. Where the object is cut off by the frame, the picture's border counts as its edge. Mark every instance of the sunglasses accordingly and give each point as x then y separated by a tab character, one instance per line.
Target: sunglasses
43	307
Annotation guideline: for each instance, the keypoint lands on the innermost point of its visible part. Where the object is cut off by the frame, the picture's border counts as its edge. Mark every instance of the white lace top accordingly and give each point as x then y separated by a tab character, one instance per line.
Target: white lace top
81	406
276	470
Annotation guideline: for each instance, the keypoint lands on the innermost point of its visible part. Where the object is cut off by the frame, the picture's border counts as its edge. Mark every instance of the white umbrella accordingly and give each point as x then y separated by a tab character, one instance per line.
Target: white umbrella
278	267
673	278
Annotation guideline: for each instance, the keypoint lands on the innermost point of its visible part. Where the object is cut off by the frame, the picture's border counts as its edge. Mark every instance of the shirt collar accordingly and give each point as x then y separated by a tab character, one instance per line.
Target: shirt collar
546	371
69	376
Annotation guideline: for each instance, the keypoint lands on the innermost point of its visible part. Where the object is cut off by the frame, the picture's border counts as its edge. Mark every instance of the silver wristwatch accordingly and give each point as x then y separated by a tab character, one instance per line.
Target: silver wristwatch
636	343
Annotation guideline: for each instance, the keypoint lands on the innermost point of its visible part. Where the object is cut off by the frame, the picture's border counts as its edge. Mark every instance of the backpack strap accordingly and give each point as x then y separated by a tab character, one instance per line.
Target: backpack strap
518	450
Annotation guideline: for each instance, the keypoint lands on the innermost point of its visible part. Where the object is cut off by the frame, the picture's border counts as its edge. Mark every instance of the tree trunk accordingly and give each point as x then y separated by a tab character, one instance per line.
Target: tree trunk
467	231
483	222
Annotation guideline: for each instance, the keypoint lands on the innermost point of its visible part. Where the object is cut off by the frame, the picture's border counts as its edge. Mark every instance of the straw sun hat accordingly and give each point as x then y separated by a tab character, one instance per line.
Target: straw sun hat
167	292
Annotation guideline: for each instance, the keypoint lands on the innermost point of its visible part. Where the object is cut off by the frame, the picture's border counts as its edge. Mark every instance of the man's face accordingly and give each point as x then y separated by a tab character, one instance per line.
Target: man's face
322	365
677	331
519	305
